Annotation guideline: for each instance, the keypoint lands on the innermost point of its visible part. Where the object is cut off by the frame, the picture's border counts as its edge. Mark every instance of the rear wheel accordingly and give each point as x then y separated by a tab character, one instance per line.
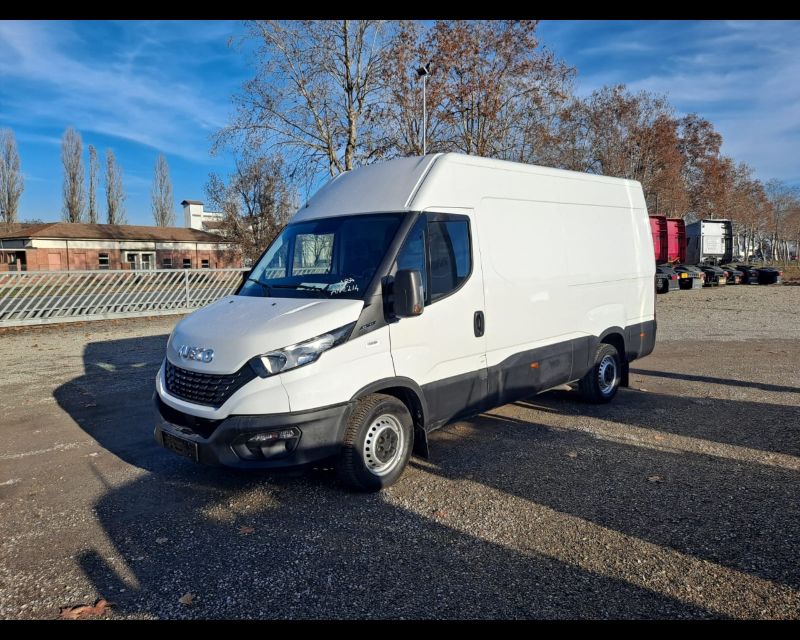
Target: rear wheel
601	382
377	443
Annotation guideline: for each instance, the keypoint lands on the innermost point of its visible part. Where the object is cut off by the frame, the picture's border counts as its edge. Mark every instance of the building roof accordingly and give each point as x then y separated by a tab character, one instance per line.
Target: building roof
185	202
81	231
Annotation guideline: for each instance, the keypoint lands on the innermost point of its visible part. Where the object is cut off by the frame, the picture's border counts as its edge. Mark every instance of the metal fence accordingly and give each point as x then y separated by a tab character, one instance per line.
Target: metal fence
40	297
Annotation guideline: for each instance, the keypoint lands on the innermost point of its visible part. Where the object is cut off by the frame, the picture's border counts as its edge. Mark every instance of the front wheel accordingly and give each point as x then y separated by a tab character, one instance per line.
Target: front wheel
377	443
601	382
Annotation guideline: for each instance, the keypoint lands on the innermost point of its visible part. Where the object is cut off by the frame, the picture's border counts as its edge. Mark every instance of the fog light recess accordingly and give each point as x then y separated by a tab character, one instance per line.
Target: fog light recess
267	445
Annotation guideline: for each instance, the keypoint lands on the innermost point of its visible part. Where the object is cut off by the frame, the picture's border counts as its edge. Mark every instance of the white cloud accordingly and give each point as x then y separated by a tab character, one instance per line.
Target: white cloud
117	96
743	76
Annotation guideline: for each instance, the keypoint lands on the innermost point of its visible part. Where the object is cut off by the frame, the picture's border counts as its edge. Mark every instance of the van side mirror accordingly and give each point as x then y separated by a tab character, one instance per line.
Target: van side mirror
409	299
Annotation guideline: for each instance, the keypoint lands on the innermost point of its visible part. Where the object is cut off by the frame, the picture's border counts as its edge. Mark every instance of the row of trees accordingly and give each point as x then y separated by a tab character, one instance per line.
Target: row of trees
77	209
328	96
12	183
78	203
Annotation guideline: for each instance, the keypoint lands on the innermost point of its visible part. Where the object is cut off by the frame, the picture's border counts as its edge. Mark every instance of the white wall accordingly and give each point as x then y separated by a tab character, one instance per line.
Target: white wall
194	215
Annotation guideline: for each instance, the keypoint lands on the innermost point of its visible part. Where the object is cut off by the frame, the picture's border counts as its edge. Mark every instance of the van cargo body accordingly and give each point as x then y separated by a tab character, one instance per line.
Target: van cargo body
405	295
709	242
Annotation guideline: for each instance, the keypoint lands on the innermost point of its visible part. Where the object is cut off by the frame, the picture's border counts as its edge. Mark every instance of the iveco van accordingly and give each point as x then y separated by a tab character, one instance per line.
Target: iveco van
406	295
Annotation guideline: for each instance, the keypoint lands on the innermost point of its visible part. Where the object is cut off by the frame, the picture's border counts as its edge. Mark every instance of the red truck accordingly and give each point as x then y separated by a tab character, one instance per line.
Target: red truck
669	245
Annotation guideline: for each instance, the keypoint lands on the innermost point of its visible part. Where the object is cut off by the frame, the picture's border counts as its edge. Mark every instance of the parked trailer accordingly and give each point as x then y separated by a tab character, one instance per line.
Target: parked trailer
667	279
709	242
760	275
658	228
669	246
676	240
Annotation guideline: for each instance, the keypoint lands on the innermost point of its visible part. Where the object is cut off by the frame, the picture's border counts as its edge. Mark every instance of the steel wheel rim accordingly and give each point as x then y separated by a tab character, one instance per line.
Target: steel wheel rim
383	446
607	375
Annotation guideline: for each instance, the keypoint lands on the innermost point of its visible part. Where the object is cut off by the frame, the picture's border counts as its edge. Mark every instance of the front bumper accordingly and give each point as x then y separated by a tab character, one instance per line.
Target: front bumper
212	442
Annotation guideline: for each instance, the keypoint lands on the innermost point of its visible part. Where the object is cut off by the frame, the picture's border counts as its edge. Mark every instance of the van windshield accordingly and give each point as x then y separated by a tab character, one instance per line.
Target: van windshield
324	258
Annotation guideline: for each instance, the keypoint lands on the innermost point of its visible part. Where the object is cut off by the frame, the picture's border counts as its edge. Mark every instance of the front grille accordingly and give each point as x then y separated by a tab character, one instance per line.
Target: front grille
205	388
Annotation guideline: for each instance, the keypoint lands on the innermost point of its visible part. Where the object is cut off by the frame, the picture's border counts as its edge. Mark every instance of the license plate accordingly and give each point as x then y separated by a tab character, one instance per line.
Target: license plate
180	446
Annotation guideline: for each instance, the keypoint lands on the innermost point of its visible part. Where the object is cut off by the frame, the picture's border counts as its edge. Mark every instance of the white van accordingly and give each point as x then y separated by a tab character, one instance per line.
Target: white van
403	296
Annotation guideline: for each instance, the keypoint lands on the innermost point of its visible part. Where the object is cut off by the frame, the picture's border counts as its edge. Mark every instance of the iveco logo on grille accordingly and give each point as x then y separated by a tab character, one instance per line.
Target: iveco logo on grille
201	354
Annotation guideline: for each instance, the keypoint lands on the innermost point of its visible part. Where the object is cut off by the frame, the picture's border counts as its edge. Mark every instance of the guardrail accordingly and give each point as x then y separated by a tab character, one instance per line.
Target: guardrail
42	297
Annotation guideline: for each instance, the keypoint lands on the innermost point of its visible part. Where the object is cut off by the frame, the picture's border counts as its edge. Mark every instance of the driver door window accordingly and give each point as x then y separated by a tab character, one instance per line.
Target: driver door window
413	255
441	251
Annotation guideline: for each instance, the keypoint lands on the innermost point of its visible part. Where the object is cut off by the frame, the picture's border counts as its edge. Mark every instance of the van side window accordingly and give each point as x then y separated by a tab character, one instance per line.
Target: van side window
412	255
450	258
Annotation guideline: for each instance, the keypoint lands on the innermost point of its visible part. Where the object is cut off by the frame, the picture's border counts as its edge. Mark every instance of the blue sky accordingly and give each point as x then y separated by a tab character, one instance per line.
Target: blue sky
143	88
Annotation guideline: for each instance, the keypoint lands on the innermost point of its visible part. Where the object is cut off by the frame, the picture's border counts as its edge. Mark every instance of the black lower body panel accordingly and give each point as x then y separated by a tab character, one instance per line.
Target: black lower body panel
216	442
525	374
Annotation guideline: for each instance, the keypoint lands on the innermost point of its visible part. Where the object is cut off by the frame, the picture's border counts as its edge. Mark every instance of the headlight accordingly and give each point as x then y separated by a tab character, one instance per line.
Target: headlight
297	355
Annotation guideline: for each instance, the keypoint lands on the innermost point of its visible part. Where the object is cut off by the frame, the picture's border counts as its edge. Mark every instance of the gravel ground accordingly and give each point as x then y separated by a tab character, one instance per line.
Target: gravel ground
678	500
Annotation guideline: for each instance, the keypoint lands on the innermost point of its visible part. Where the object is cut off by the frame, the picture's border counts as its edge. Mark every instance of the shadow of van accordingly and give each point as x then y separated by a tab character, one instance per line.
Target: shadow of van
257	545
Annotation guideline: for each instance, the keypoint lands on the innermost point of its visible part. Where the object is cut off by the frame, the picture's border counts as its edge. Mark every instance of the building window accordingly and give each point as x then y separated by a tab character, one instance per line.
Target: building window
131	259
102	261
187	263
166	262
204	264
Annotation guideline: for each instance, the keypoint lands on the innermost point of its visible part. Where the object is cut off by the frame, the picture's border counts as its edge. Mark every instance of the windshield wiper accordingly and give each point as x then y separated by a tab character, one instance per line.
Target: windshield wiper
264	286
302	287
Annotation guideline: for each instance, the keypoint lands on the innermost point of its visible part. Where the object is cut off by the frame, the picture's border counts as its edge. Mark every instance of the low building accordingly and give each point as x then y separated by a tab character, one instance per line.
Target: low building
196	217
64	246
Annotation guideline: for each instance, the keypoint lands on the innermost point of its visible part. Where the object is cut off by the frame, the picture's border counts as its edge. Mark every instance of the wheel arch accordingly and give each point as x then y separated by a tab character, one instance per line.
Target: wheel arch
411	395
615	336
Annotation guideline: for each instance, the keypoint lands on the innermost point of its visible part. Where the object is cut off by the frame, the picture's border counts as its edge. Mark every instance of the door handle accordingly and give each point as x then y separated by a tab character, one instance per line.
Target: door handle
478	324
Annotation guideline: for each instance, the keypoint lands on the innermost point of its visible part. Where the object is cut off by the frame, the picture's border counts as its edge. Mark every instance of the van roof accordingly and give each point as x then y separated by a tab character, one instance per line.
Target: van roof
394	185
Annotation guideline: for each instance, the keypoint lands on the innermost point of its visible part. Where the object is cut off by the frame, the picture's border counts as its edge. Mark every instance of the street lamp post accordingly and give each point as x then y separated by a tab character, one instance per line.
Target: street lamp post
423	72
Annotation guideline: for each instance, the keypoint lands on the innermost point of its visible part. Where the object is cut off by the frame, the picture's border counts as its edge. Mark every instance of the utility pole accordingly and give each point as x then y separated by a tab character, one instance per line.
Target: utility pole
423	72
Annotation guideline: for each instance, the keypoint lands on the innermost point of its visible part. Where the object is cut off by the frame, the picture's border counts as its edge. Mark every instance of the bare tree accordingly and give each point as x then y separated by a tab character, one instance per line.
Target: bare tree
11	181
73	190
161	195
94	179
315	85
742	200
115	193
663	179
256	203
499	88
399	118
700	145
784	199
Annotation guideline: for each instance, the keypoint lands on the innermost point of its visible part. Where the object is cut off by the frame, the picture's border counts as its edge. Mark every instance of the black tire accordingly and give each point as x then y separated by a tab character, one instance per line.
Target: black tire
601	382
360	465
662	286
